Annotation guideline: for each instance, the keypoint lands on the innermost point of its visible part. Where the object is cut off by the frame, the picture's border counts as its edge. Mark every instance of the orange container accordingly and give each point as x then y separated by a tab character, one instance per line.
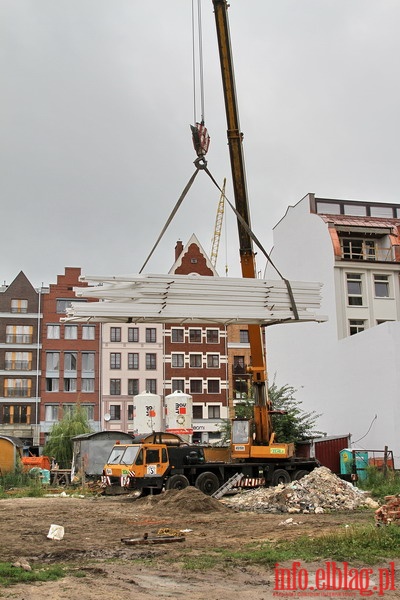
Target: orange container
42	462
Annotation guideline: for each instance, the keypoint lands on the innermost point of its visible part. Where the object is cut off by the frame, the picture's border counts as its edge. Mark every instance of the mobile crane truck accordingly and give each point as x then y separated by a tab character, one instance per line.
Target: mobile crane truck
160	461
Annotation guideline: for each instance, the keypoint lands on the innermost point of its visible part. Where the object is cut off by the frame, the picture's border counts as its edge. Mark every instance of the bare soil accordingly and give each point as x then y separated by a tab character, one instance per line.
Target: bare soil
94	529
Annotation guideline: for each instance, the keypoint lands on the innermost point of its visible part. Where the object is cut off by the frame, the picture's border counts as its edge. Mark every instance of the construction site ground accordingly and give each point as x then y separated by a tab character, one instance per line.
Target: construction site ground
95	526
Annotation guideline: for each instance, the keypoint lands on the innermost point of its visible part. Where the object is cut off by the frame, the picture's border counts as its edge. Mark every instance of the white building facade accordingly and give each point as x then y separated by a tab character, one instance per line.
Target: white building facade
346	369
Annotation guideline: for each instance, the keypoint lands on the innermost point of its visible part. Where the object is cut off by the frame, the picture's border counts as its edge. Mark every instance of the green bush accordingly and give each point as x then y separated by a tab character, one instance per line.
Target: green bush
381	484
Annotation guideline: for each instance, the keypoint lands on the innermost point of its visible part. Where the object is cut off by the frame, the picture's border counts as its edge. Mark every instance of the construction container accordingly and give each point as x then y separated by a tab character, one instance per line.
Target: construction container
325	449
354	462
178	414
147	413
91	451
41	462
10	453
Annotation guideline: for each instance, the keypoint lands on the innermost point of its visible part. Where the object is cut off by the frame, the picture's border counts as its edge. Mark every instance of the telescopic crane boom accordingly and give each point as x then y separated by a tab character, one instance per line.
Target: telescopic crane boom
263	435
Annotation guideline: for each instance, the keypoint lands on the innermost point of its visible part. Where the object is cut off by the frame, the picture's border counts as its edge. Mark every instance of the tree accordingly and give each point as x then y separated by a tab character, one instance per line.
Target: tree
59	443
295	424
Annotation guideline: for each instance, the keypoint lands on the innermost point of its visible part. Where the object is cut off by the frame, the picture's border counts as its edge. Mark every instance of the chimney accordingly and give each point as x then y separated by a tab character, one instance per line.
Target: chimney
178	249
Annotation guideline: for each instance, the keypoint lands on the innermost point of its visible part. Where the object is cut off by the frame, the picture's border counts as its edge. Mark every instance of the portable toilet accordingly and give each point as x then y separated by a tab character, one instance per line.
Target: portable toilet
10	453
354	462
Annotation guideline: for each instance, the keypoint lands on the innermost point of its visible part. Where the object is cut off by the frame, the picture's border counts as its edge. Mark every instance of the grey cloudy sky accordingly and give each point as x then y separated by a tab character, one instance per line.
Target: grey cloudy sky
97	98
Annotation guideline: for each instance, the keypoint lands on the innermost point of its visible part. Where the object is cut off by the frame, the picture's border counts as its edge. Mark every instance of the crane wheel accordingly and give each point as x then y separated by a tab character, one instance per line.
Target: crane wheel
280	476
299	474
177	482
208	483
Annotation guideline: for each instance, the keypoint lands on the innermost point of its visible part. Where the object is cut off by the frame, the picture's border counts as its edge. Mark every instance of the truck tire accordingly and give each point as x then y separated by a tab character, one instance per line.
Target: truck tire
299	474
208	483
280	476
177	482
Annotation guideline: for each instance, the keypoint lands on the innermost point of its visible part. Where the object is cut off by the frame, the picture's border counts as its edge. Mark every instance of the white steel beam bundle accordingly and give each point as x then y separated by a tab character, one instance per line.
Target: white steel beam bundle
192	298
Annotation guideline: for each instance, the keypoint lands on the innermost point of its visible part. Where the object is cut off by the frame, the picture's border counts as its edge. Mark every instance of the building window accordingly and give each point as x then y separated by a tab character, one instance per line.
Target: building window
19	334
240	388
18	361
177	360
195	336
381	286
70	361
178	385
212	336
356	325
69	384
133	360
115	412
88	332
358	249
52	385
53	332
212	361
214	412
51	412
115	387
18	413
196	386
17	388
197	411
244	336
151	335
151	361
88	362
115	360
151	386
133	334
133	387
19	306
115	334
196	360
87	384
213	386
354	289
89	410
52	361
71	332
130	412
238	364
177	335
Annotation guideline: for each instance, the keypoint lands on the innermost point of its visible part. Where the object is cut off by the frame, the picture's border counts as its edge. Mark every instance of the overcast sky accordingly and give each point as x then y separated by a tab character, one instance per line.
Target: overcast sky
96	103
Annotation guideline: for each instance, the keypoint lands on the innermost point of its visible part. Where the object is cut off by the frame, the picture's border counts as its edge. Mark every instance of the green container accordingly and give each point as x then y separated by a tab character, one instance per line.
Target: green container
354	462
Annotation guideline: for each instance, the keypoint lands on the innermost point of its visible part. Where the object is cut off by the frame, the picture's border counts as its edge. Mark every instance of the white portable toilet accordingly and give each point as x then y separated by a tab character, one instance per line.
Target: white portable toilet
179	414
147	413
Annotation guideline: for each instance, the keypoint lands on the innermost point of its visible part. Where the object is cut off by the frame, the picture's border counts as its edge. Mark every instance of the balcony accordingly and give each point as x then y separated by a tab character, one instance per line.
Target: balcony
18	365
21	338
12	392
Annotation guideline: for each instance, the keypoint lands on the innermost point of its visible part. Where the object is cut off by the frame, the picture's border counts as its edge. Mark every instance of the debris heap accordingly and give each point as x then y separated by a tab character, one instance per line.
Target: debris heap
319	491
188	500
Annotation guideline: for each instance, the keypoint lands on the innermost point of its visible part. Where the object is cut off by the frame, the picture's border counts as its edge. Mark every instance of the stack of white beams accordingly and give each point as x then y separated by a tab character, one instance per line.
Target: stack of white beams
192	298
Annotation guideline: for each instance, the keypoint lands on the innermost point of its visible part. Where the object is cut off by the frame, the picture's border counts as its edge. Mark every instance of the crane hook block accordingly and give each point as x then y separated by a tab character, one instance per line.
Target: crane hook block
201	139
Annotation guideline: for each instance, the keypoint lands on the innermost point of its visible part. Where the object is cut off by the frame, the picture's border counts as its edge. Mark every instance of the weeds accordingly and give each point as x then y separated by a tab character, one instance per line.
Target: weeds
367	545
381	484
10	575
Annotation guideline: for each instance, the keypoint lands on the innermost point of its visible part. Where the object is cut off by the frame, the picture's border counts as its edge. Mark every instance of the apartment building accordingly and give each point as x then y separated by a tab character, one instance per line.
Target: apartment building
70	358
132	363
347	369
196	357
20	346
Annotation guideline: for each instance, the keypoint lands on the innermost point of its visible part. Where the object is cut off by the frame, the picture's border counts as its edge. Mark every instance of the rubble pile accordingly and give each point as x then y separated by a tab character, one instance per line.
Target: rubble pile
319	491
389	512
188	500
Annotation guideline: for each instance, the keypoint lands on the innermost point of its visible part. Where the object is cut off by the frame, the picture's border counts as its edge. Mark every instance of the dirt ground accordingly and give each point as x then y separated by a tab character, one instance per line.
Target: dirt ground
94	528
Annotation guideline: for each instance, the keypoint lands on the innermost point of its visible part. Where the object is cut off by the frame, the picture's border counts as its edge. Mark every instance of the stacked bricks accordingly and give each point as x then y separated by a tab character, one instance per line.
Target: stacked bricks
389	512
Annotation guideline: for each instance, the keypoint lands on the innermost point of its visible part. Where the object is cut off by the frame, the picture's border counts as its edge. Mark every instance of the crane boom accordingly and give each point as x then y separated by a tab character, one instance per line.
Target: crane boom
218	226
263	428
